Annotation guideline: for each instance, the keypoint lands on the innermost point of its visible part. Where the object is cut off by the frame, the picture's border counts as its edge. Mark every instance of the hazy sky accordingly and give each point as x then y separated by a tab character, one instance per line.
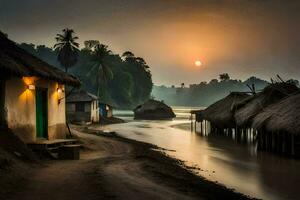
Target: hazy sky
240	37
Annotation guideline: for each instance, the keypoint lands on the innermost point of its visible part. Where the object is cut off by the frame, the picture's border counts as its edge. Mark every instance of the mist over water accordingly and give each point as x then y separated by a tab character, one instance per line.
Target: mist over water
222	159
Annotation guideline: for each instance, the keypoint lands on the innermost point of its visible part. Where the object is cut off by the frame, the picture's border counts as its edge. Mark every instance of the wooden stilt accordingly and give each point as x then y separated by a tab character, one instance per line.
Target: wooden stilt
273	142
2	102
293	145
283	143
201	128
191	122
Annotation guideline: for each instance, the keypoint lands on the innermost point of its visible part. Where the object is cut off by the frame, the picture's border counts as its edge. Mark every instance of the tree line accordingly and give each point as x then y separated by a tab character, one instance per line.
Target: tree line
121	80
205	93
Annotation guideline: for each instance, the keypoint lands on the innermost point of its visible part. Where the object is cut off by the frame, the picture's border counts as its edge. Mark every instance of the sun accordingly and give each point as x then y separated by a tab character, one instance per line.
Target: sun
198	63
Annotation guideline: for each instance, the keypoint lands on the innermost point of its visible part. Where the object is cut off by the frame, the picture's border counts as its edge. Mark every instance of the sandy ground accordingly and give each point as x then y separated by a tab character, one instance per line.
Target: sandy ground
114	168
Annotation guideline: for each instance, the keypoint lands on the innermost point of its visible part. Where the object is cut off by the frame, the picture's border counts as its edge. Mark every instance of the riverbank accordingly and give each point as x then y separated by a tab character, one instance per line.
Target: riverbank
168	172
112	167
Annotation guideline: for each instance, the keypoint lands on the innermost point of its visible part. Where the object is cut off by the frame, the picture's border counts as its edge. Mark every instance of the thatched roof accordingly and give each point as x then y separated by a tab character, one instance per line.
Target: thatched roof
221	113
273	93
281	116
196	111
153	109
81	96
19	62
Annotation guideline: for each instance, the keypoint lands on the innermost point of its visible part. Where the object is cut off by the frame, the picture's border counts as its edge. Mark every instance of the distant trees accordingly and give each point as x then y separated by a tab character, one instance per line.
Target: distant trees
142	78
214	81
90	44
124	81
127	55
67	48
100	71
203	94
224	77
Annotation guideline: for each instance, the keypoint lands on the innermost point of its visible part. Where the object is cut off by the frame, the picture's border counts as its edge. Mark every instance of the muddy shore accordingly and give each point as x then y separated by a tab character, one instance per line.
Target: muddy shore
112	167
172	172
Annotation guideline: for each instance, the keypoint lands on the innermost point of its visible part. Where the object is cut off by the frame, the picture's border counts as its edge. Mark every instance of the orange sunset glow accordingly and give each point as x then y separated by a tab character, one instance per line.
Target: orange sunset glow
149	99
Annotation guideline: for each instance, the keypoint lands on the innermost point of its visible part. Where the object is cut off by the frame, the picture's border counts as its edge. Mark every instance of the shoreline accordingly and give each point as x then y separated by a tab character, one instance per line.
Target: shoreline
113	167
173	172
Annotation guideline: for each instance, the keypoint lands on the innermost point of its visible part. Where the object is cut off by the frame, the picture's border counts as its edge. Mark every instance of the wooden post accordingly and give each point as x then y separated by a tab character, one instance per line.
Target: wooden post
283	143
201	127
273	145
293	145
266	141
230	132
260	140
191	122
279	142
2	103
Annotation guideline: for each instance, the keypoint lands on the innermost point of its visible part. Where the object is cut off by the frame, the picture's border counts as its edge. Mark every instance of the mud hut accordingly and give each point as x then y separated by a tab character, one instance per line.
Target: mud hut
153	110
250	107
221	114
32	97
83	106
279	126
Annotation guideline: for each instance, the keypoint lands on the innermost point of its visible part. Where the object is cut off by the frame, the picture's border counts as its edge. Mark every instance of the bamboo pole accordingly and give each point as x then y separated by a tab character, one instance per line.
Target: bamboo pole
201	127
293	145
283	143
191	122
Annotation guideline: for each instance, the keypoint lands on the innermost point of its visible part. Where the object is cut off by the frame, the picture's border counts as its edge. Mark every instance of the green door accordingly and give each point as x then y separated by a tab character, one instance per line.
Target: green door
41	113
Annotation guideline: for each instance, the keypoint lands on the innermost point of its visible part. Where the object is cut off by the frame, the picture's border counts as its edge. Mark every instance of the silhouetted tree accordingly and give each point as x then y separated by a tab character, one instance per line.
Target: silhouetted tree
91	44
214	81
128	80
67	48
100	71
224	77
3	34
127	54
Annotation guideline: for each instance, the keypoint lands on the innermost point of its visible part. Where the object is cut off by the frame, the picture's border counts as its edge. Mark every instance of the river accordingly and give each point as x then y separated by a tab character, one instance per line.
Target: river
221	159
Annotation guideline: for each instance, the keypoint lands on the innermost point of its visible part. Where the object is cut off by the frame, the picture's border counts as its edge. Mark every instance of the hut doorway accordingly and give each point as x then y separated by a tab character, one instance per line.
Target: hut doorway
2	103
41	113
103	111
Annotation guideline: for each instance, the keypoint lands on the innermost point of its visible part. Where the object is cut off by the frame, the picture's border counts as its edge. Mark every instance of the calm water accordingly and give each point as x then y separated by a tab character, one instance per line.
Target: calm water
221	159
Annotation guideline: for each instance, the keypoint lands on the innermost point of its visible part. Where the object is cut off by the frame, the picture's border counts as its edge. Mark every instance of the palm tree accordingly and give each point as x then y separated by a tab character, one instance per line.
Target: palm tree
100	72
67	48
127	54
91	44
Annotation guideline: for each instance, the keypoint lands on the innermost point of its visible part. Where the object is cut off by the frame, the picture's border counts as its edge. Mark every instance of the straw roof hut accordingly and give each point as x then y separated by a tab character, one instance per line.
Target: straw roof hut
198	114
221	113
16	61
83	106
32	94
281	116
250	107
153	109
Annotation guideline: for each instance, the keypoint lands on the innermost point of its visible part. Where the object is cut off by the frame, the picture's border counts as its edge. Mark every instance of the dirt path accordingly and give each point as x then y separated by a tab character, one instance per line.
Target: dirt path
106	170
